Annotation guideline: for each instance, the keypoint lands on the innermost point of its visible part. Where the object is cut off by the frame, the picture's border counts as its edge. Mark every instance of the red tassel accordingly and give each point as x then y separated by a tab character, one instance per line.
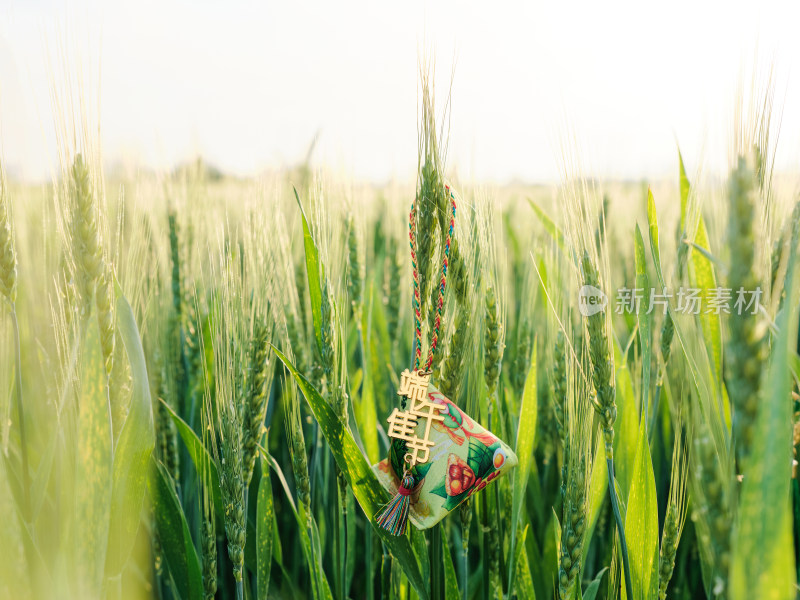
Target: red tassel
394	516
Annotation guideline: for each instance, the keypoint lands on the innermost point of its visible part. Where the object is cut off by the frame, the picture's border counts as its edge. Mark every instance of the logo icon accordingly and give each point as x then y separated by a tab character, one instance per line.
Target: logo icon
591	300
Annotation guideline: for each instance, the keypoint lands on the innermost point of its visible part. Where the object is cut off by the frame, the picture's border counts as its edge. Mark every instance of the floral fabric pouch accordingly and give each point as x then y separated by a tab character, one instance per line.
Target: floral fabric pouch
464	458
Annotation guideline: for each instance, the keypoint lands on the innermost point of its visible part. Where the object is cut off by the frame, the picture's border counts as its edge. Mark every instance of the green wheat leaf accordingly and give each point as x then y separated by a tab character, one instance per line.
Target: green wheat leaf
641	524
314	276
526	436
594	587
173	532
555	233
645	319
203	463
450	580
134	447
705	280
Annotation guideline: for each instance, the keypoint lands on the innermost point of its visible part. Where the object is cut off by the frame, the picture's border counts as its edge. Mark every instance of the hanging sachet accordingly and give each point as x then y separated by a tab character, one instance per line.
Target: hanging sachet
439	456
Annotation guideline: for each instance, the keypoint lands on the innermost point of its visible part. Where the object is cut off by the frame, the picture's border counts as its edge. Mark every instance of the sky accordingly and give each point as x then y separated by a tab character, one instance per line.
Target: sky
249	85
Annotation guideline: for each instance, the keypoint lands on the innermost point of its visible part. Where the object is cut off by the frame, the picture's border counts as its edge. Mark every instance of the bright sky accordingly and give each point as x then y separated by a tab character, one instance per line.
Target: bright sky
249	84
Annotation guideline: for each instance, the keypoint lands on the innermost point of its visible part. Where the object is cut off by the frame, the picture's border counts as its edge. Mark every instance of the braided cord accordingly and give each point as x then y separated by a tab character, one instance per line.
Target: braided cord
412	238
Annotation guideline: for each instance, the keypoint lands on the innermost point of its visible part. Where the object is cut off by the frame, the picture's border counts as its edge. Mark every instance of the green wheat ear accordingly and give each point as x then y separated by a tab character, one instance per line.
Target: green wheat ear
452	367
354	277
572	528
8	257
431	196
493	343
232	486
85	238
165	427
297	446
559	380
522	354
713	516
208	530
667	335
392	288
229	461
175	260
255	407
577	460
602	363
746	348
675	517
604	400
208	541
327	324
104	301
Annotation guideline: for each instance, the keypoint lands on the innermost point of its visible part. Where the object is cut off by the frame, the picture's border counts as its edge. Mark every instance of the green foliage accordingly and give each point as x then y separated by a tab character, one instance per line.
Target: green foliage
641	523
138	438
174	536
368	491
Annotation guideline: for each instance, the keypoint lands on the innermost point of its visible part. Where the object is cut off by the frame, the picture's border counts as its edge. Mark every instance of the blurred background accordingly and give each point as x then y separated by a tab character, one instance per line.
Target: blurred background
250	85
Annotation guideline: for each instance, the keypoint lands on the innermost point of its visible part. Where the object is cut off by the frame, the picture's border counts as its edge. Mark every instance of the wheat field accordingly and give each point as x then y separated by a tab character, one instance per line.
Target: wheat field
196	372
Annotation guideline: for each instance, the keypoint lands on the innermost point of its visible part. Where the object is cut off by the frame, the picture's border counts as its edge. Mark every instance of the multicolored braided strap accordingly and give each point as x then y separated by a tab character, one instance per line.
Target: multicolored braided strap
412	241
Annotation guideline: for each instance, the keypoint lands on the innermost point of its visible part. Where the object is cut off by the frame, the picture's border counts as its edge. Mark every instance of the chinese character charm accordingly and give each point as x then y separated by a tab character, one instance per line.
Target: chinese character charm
403	426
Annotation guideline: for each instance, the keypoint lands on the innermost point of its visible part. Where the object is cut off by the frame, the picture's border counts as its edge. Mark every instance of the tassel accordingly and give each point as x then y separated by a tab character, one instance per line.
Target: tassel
394	516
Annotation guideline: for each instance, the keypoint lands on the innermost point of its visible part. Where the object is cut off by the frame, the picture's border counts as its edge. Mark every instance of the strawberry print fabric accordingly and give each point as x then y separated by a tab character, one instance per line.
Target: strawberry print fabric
464	460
